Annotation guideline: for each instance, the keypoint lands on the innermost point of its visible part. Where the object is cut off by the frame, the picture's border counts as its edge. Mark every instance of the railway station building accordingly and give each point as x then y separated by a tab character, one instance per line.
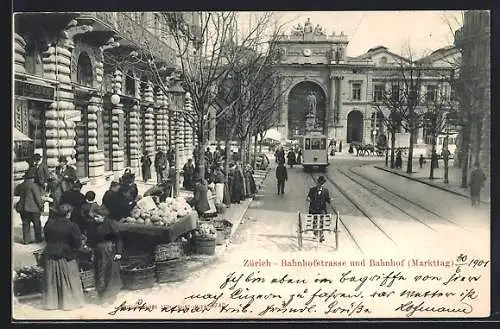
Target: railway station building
345	87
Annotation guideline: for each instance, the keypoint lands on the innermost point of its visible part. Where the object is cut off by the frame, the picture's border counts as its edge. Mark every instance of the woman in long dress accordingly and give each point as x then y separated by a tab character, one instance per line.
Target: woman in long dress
146	167
61	280
104	238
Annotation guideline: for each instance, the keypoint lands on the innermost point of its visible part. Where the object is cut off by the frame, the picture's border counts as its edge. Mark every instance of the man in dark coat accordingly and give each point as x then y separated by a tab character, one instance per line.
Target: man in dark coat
66	174
477	178
237	185
41	171
76	199
280	155
30	206
208	156
200	199
281	176
160	165
188	173
114	201
318	197
146	166
291	158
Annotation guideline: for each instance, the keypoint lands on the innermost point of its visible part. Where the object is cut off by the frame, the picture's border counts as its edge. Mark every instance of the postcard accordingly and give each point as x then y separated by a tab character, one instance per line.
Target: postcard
251	165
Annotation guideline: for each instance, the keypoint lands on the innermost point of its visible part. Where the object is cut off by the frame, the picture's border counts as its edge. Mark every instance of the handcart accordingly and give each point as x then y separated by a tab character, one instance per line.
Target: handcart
318	223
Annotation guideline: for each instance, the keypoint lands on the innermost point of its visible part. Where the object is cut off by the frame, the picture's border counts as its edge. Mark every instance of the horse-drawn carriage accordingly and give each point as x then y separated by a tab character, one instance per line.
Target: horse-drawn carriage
368	149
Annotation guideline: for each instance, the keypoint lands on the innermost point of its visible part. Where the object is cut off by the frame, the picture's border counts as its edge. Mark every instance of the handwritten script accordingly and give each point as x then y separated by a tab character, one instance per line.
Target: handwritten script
404	288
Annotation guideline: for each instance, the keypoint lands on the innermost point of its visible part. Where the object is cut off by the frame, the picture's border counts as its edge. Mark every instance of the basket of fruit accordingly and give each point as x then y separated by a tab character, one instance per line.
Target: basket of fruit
172	270
138	276
28	280
39	254
164	252
205	239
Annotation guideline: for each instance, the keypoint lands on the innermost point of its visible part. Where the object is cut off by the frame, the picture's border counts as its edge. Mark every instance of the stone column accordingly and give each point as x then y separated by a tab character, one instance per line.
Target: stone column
149	142
117	149
59	132
19	54
134	136
96	156
283	112
331	117
159	129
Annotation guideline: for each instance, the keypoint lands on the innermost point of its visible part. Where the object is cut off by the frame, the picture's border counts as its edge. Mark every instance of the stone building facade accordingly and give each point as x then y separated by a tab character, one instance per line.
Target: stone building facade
83	91
345	87
474	39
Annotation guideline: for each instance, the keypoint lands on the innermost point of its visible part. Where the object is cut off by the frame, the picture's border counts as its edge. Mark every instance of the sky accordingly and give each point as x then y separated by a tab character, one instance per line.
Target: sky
423	31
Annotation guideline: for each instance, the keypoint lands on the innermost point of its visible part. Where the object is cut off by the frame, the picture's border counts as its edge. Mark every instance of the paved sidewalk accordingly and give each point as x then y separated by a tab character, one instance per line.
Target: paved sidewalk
23	254
454	177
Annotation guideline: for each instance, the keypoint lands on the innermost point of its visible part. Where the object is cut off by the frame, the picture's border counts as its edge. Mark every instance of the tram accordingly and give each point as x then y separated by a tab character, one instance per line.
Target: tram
314	151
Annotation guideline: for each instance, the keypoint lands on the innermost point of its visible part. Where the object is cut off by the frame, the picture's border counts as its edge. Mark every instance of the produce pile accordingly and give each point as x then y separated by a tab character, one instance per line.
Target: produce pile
206	232
165	214
28	272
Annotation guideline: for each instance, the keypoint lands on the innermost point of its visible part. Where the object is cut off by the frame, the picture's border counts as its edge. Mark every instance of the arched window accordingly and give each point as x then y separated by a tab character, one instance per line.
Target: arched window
84	74
383	60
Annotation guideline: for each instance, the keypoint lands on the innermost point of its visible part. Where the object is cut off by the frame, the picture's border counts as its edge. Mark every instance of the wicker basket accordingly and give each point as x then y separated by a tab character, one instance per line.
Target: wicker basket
164	252
130	260
27	286
204	247
138	278
88	279
171	270
39	257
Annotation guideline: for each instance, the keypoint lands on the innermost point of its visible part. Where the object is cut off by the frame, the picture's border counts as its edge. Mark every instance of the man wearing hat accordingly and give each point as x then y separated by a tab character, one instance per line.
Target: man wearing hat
66	174
41	171
30	206
318	197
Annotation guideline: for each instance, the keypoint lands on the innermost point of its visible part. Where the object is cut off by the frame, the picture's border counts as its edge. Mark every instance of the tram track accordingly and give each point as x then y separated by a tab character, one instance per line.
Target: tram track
360	208
342	223
393	204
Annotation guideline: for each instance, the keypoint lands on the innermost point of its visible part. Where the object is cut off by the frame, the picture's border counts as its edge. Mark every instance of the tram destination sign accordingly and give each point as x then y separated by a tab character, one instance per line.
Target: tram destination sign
33	91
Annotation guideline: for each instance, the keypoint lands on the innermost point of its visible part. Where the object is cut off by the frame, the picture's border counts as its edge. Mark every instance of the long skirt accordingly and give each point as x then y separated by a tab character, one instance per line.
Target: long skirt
227	196
107	270
62	285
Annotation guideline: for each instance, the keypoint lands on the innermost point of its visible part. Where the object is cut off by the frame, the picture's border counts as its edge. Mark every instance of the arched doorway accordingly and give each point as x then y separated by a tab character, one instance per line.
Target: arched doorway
297	107
84	74
355	127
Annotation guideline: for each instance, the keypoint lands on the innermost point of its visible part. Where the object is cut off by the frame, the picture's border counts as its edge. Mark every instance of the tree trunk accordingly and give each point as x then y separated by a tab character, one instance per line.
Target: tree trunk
409	167
255	140
201	155
227	147
465	154
393	146
433	150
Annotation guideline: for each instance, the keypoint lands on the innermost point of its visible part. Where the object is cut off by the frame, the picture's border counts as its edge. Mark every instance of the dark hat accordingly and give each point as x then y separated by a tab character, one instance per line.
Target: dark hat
62	158
63	210
37	157
102	210
30	173
321	180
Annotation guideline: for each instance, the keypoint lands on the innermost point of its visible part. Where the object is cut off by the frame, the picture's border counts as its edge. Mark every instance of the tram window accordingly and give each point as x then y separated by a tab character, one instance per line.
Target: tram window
440	141
316	144
323	144
307	144
451	141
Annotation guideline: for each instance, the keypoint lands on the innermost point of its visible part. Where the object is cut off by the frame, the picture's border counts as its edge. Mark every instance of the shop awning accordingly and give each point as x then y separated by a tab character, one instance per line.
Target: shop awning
273	134
20	137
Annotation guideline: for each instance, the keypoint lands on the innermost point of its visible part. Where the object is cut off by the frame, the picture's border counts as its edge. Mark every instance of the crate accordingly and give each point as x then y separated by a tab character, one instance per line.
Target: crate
204	247
164	252
88	279
138	278
27	286
39	257
173	270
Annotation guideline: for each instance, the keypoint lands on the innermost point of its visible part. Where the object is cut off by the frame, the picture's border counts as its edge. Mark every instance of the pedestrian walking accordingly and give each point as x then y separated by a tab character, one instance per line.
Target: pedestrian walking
299	156
30	206
399	160
340	147
104	238
280	155
281	177
61	277
317	198
146	166
477	179
160	164
291	158
421	160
